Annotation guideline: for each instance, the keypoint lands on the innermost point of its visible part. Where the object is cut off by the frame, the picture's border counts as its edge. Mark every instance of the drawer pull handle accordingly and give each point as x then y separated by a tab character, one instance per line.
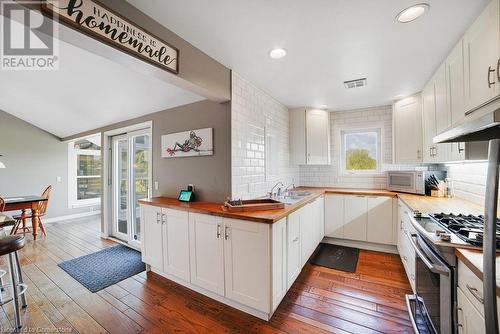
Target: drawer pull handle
498	70
218	231
405	258
226	234
490	70
475	293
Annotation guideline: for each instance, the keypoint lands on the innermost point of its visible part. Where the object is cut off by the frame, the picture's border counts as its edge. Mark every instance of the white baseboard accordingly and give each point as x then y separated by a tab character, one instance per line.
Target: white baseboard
362	245
69	217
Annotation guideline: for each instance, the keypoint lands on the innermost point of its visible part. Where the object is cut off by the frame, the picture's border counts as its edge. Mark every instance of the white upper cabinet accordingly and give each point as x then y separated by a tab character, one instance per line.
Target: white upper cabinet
456	83
481	58
429	122
407	118
443	114
309	137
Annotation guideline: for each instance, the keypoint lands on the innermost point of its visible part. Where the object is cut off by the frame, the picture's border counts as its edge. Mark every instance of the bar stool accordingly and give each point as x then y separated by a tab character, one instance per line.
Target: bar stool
9	245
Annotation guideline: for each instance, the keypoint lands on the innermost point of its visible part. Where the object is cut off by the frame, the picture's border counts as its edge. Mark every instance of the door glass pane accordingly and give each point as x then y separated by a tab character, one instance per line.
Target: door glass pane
122	185
141	179
401	180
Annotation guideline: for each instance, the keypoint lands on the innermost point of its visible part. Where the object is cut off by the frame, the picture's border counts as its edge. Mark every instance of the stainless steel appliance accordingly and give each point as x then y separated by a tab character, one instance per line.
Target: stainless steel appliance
432	307
411	181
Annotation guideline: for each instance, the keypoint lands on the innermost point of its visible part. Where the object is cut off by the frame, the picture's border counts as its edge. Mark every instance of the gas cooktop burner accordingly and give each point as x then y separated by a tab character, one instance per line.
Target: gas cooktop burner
469	228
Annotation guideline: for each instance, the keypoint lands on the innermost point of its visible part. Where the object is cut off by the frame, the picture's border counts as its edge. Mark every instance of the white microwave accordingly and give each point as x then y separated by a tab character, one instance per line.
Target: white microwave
411	181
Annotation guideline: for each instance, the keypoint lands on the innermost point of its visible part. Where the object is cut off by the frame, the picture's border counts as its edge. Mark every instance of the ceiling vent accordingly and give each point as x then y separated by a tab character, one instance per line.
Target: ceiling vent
355	83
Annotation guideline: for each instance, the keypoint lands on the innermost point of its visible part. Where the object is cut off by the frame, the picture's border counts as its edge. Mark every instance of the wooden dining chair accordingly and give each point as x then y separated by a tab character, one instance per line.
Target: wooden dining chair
42	211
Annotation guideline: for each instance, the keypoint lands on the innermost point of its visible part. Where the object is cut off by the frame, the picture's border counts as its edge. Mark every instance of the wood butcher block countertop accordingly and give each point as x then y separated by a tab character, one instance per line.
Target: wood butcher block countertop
473	259
265	216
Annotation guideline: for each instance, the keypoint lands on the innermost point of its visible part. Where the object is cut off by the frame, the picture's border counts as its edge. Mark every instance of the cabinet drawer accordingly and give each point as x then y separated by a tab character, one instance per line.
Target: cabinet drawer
471	286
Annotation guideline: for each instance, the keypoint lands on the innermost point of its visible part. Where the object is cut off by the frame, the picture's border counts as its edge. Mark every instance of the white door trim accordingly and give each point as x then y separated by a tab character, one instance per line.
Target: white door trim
107	198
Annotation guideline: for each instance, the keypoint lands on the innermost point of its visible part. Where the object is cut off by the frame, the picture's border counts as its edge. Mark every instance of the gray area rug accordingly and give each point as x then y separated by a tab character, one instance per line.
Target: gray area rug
106	267
336	257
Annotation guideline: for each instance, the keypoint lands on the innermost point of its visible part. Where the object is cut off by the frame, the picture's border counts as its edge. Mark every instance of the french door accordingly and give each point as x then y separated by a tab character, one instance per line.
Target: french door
131	181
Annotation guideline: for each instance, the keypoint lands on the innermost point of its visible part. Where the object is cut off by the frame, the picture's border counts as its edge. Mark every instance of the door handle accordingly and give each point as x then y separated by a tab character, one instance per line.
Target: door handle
295	239
218	231
432	267
460	149
157	218
419	156
490	70
226	234
163	218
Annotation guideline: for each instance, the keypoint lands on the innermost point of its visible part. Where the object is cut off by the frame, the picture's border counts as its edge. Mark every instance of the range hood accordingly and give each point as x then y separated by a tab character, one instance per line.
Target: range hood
479	125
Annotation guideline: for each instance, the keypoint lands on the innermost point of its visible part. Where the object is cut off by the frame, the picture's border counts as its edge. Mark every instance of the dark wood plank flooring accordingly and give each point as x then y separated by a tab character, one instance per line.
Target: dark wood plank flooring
321	301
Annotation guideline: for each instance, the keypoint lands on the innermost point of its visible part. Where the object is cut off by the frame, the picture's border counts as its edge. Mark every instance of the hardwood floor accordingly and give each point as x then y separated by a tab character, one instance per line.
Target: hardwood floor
321	301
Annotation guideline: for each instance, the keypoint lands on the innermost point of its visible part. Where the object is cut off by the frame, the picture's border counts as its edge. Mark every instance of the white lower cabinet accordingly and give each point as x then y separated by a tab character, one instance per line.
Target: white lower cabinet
470	321
334	216
247	264
207	252
152	243
380	222
176	243
355	218
405	249
293	247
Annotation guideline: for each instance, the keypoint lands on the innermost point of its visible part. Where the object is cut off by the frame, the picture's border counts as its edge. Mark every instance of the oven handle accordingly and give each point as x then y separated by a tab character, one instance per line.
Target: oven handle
432	267
412	317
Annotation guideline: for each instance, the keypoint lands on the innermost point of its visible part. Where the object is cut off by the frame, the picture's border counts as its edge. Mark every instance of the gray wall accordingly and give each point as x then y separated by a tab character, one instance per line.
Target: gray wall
211	175
34	159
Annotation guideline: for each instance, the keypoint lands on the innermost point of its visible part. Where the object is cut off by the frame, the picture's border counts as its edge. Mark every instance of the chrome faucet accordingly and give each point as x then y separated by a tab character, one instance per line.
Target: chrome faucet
280	185
287	188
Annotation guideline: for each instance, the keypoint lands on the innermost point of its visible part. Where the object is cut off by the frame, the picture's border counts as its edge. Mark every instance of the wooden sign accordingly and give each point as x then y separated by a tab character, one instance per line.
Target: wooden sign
98	21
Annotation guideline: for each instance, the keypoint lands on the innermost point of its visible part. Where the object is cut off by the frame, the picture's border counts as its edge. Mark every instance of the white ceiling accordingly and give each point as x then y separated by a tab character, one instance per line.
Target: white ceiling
328	42
87	92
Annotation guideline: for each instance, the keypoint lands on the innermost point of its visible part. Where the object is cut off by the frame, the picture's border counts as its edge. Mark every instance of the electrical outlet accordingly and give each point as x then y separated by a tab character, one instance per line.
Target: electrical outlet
59	179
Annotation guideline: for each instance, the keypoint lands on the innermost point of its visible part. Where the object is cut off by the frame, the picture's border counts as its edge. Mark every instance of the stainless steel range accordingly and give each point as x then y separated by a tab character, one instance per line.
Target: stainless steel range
433	307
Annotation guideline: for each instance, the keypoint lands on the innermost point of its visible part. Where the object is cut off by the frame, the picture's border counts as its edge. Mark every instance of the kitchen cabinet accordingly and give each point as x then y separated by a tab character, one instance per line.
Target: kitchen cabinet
175	247
431	100
207	252
293	247
279	263
355	218
443	113
247	265
334	216
481	58
469	319
407	140
152	242
406	251
309	137
380	222
456	83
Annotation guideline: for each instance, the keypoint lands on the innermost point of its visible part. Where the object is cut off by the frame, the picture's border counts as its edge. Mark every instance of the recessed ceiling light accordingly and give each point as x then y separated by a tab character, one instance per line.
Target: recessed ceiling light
412	13
277	53
323	106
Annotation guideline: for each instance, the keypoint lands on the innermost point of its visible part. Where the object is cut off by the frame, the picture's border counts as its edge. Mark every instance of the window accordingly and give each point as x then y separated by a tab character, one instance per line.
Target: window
85	171
361	151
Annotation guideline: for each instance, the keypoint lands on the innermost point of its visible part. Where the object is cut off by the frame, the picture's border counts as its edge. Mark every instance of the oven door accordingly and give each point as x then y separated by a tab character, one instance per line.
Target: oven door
404	182
431	308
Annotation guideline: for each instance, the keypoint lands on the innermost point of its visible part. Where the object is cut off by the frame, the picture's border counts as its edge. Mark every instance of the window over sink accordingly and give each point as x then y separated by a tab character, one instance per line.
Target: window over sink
361	151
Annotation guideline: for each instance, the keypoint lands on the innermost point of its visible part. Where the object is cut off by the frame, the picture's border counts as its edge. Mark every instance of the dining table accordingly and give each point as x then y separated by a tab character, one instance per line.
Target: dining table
24	203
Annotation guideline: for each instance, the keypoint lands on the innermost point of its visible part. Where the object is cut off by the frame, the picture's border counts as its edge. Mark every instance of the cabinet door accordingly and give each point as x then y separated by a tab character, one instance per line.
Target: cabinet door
443	114
247	264
298	136
408	130
380	222
469	319
152	243
279	265
320	209
481	53
293	247
317	134
429	121
206	252
306	232
355	218
334	216
456	84
176	243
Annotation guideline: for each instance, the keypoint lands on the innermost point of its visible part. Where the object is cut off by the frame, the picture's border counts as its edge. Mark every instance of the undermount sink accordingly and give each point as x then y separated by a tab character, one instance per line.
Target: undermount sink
298	194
